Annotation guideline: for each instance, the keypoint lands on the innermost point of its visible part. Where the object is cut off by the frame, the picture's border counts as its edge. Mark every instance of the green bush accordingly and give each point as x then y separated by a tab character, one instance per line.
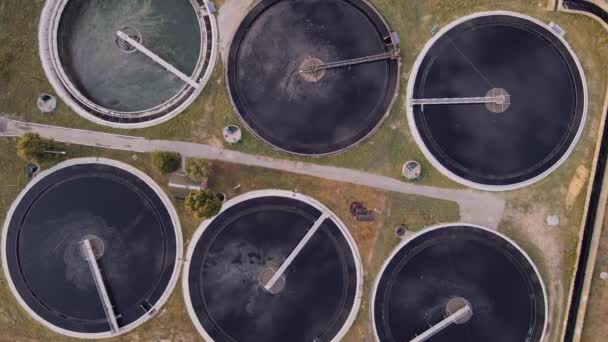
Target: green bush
166	162
203	204
31	147
197	169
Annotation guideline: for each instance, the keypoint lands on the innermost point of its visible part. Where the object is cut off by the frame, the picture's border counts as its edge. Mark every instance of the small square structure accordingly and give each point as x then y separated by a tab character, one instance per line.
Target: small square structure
180	185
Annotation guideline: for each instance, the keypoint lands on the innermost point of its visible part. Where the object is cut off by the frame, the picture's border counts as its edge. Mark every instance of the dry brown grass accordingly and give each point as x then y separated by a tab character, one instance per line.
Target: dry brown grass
595	328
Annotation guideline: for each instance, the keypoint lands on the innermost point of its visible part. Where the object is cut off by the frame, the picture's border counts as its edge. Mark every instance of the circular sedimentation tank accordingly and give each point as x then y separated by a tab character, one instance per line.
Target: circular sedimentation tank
107	80
233	257
481	281
283	94
135	240
530	106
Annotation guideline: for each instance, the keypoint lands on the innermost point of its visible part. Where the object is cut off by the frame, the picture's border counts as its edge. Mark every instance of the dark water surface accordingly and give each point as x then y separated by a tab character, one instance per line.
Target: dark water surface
260	233
546	90
63	208
117	80
311	117
498	281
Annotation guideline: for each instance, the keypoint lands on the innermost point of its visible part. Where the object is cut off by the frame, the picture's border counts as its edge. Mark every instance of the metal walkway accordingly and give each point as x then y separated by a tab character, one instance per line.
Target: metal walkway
138	46
296	251
462	100
101	287
446	322
348	62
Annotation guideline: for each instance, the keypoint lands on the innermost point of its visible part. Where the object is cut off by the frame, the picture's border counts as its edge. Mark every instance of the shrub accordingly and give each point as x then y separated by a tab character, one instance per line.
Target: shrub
166	162
203	204
197	169
31	147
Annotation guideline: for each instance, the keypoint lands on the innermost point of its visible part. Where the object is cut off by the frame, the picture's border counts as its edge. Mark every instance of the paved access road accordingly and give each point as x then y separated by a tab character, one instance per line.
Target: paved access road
476	207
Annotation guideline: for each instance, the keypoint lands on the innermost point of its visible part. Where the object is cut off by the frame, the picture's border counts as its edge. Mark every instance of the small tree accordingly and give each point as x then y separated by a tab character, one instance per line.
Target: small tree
166	162
31	147
203	204
198	169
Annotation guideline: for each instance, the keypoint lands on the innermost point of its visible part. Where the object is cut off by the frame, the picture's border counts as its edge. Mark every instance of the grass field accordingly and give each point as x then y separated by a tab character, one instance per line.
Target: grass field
595	328
562	194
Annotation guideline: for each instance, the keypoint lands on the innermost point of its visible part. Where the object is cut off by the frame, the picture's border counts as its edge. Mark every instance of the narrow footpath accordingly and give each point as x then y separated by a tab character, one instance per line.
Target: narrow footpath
476	207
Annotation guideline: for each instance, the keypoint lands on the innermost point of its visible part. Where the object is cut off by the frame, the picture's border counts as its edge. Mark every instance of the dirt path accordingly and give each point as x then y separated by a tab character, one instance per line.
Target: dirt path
230	15
475	207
